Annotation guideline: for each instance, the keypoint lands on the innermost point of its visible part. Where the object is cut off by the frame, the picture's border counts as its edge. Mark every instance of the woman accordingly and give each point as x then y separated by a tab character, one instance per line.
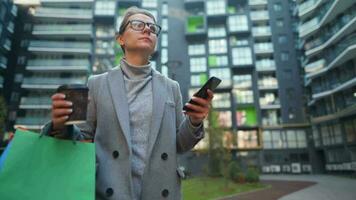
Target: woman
135	118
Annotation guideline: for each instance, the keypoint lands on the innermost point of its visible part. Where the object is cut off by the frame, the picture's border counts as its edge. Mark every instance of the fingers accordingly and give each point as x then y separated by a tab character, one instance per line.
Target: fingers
58	101
61	112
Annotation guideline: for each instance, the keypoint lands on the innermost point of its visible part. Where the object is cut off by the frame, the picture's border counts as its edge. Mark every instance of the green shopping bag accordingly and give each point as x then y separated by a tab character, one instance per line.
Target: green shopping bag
46	168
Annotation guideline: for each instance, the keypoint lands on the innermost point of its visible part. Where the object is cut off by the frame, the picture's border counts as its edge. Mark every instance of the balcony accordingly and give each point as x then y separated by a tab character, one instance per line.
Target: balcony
257	3
60	47
265	65
263	48
308	26
64	14
35	103
307	7
50	83
323	92
262	31
336	56
330	35
259	15
78	30
315	66
270	101
196	27
3	62
58	65
31	122
268	83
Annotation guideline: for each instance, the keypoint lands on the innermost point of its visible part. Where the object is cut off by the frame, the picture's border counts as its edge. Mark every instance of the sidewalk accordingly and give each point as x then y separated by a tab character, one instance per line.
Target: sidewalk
303	187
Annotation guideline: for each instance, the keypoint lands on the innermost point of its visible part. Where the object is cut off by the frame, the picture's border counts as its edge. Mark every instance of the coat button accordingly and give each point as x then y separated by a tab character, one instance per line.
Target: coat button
115	154
165	193
109	192
164	156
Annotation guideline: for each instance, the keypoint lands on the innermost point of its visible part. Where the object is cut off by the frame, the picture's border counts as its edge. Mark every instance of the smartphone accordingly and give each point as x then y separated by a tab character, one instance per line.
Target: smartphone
211	84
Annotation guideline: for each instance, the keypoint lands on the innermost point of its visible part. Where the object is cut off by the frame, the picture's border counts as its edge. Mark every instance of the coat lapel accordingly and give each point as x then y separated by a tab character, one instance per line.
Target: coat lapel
118	95
159	100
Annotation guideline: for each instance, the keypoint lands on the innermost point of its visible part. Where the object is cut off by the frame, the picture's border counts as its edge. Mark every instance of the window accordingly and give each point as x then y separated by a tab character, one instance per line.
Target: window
282	39
164	40
198	64
218	31
149	4
325	135
196	49
164	24
267	139
215	7
238	23
301	139
316	136
217	46
238	42
284	56
198	79
350	130
277	6
247	139
217	61
242	56
280	22
224	74
164	55
224	119
242	81
164	9
243	96
221	100
105	8
291	139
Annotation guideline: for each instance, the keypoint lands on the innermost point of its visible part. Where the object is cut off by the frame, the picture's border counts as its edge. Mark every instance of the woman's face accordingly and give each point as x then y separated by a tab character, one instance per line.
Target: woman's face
140	41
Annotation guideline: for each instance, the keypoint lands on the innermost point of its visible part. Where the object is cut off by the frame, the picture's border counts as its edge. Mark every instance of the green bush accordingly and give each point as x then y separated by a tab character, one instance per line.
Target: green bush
252	175
233	171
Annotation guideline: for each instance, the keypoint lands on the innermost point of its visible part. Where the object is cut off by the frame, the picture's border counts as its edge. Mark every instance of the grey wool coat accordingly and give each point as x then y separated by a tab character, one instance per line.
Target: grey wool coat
108	124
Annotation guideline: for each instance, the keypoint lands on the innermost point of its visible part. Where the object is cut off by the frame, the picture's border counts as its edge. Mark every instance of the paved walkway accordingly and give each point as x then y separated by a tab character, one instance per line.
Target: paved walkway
327	187
303	187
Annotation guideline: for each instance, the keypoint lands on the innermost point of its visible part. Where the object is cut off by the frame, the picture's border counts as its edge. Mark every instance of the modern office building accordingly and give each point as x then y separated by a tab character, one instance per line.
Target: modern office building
57	49
328	37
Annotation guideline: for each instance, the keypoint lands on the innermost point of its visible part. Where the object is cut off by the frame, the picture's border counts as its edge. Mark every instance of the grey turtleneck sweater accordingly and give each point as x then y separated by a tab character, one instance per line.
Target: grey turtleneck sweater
138	86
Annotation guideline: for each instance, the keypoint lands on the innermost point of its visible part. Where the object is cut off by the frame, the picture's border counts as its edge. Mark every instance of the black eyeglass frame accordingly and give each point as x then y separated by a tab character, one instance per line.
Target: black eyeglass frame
148	24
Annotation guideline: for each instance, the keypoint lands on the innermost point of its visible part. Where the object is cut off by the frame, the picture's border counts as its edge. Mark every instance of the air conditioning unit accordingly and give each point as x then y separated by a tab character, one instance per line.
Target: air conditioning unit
266	169
353	166
296	168
306	168
286	168
275	168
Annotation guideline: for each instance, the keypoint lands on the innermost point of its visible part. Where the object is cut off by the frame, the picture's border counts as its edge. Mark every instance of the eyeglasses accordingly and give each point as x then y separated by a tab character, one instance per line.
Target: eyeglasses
139	25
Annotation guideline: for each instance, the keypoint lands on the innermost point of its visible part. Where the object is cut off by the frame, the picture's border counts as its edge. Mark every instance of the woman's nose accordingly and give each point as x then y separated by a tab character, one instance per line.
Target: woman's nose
146	29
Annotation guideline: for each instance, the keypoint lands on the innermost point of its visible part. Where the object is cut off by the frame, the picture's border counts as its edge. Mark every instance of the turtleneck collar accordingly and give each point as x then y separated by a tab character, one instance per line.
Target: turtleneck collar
135	72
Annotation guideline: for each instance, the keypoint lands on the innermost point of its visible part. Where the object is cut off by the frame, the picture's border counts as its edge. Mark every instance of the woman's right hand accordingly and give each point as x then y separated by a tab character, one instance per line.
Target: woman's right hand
60	111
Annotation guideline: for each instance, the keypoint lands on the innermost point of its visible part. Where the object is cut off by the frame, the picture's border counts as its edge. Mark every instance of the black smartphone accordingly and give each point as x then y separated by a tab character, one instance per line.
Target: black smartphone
211	84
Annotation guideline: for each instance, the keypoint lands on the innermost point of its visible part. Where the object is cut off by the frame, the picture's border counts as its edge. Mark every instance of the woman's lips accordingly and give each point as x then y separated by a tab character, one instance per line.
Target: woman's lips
145	39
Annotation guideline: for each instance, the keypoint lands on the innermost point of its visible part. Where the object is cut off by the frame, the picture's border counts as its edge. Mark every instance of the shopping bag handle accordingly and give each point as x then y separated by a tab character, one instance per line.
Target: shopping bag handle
75	135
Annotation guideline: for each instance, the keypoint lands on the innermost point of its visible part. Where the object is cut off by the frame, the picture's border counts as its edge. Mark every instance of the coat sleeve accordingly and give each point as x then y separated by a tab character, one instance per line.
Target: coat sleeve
188	135
82	131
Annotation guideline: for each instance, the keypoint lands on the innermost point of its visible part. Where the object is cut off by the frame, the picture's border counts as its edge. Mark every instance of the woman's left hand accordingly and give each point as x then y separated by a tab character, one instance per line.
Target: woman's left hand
201	110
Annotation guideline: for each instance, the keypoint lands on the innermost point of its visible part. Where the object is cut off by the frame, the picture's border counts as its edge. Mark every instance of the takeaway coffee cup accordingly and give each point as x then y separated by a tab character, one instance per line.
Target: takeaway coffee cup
78	95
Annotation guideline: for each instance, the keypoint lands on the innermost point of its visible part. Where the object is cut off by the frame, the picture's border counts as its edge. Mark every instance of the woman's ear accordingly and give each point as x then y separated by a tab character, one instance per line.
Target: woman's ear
120	40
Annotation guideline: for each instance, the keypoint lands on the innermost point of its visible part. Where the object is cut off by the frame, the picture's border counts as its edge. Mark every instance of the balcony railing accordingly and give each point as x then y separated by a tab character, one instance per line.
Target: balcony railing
62	29
64	13
53	81
80	47
259	15
261	31
307	6
315	66
257	2
308	26
263	48
36	101
32	120
265	65
72	64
